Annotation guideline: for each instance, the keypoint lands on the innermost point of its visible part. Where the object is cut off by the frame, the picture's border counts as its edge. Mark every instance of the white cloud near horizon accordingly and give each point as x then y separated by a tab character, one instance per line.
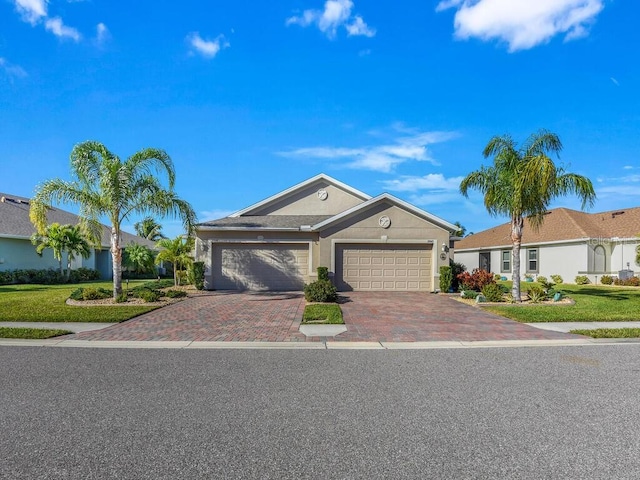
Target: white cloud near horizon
618	187
522	24
207	48
379	158
12	71
336	14
60	30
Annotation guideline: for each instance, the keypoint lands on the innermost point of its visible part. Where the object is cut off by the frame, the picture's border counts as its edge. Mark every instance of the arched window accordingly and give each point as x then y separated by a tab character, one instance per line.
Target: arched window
599	259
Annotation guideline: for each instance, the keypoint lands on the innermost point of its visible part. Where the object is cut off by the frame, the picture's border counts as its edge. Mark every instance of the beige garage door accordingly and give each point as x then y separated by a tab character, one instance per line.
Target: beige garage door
383	267
277	267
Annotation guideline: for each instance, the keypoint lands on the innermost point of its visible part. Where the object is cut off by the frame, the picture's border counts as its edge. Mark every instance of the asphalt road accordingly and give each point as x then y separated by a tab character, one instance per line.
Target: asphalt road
560	412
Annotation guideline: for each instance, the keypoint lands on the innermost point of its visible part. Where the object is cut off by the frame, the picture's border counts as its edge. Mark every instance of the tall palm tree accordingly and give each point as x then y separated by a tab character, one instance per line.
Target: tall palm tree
176	251
139	257
522	183
150	229
76	245
107	186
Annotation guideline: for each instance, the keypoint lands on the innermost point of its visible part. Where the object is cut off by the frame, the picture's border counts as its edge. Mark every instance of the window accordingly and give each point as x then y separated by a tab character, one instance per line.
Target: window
532	260
599	259
505	265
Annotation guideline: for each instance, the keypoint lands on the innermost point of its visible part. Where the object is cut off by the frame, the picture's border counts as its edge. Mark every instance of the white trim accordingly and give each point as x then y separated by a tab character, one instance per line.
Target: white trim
510	245
251	229
386	196
301	185
383	241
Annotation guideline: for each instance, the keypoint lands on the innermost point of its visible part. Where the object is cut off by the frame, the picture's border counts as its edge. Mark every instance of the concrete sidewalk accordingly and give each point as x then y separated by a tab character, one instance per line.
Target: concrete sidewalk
568	326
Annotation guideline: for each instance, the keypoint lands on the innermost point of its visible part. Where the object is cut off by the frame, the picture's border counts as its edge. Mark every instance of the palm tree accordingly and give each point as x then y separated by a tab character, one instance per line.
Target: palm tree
461	230
107	186
150	229
76	245
53	236
176	251
522	183
139	257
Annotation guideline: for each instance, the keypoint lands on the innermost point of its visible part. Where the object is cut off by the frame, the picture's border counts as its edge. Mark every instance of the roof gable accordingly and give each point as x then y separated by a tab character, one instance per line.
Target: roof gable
304	198
390	199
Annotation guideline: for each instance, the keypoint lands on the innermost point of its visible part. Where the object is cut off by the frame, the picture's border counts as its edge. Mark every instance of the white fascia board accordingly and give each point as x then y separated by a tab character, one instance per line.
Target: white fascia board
530	244
401	203
23	237
301	185
246	229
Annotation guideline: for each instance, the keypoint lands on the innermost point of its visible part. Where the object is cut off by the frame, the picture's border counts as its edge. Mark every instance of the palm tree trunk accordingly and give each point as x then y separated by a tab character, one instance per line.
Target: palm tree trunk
116	257
517	224
68	267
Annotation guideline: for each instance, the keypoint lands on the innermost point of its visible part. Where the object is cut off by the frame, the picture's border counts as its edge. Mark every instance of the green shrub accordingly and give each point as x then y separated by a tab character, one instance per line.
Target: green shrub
320	291
556	279
536	294
606	280
155	284
446	277
475	280
196	274
456	269
122	298
493	292
469	294
582	280
90	293
175	293
77	295
497	277
146	294
630	282
323	273
541	279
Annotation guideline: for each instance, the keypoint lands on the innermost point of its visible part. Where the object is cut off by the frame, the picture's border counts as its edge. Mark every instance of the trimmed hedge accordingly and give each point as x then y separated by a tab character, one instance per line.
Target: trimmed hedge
47	276
320	291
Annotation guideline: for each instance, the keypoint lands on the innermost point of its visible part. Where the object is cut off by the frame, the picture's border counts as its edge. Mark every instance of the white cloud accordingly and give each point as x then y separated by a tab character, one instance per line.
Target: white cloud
522	24
431	181
60	30
31	10
12	71
615	82
380	158
336	14
102	34
207	48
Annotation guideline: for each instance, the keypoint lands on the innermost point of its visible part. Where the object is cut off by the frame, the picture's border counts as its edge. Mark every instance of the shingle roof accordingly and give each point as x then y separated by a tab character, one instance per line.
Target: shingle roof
265	221
14	221
562	224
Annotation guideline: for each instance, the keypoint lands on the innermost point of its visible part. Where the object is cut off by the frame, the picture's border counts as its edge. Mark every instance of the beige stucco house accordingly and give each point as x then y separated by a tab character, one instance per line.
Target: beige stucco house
368	243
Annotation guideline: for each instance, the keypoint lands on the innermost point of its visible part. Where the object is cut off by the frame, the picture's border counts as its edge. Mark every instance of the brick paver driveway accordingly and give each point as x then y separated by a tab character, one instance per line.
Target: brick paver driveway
275	317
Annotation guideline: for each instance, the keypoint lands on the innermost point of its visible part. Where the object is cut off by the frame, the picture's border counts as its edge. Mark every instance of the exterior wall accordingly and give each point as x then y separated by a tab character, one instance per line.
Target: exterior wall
622	253
16	253
306	202
364	227
205	241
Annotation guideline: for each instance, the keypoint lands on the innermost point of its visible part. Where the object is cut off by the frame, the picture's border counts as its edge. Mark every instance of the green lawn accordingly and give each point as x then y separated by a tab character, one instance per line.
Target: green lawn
46	303
31	333
610	332
322	313
593	304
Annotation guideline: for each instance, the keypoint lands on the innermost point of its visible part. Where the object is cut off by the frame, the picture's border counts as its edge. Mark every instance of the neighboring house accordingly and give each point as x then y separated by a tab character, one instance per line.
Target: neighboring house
379	243
17	251
568	243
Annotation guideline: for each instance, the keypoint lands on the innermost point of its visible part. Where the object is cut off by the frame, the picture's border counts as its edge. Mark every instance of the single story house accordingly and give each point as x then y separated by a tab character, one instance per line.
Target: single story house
569	243
377	243
17	251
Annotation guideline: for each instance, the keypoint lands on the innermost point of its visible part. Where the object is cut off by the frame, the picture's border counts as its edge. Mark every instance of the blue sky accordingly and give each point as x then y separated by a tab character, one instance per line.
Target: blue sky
249	98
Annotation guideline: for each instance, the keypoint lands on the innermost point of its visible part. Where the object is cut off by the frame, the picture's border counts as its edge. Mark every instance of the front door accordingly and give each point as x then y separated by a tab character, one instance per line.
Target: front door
485	261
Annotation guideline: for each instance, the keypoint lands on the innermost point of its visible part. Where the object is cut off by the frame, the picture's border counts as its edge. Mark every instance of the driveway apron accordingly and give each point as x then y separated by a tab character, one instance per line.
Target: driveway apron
275	317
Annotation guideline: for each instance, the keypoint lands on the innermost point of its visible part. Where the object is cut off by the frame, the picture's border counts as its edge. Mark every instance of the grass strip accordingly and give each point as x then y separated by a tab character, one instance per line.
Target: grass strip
322	313
610	332
31	333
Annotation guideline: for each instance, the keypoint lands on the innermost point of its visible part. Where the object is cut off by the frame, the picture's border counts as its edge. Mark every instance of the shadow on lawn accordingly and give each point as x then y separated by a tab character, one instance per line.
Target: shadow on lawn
596	292
13	288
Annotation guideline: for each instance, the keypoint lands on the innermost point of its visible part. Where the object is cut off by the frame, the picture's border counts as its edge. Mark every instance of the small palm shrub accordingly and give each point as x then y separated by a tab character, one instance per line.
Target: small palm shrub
320	291
122	298
556	278
469	294
175	293
146	294
606	280
582	280
493	292
536	294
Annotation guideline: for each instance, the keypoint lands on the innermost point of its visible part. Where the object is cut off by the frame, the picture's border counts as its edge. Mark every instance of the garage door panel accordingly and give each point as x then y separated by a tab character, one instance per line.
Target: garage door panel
276	267
399	267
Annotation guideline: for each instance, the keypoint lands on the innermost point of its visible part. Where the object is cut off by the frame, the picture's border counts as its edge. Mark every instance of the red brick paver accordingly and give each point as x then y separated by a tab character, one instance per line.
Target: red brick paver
275	317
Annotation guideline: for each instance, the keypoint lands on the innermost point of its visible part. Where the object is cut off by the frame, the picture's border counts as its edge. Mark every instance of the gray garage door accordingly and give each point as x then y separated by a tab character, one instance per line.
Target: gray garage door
278	267
399	268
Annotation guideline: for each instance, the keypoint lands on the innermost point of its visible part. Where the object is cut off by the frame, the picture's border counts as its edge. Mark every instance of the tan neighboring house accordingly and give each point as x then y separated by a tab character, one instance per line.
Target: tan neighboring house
17	251
569	243
368	243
